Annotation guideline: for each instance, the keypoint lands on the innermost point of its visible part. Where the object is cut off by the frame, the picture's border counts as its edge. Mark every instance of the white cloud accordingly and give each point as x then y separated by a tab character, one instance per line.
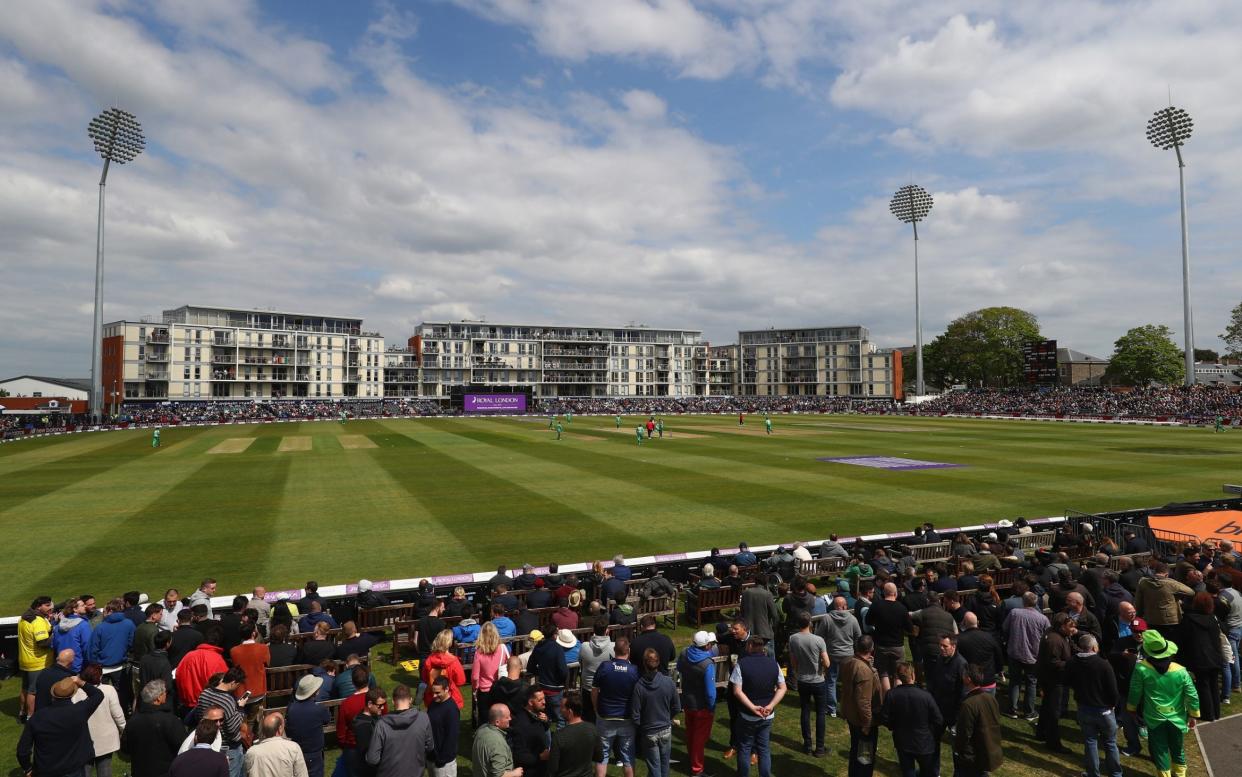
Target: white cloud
644	105
272	182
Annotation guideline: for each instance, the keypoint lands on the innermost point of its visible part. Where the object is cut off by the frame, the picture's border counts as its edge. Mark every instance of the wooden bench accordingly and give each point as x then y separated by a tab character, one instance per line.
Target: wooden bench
403	633
714	600
633	587
661	607
1034	540
383	618
333	706
282	680
822	567
931	552
307	636
1003	579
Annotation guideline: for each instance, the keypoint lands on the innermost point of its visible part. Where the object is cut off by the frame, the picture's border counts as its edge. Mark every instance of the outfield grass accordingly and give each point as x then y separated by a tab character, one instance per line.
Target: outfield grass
108	513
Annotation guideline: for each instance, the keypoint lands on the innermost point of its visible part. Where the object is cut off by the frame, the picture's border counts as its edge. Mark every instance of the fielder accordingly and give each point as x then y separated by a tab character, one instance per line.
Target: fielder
155	438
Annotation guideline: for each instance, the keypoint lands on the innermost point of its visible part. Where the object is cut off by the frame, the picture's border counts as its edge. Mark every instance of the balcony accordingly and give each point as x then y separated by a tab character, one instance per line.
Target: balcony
157	356
157	337
222	341
156	375
223	358
596	352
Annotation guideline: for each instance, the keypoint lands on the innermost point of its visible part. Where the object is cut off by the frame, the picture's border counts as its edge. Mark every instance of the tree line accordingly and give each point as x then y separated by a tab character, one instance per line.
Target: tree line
983	349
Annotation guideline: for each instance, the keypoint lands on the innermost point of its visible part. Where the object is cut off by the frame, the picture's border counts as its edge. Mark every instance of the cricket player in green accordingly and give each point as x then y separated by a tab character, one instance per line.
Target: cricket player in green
552	421
638	433
1220	423
767	424
559	429
569	417
155	438
618	422
660	427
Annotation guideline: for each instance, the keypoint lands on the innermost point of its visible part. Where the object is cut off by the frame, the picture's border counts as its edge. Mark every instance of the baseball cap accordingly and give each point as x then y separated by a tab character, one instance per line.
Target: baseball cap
364	585
703	639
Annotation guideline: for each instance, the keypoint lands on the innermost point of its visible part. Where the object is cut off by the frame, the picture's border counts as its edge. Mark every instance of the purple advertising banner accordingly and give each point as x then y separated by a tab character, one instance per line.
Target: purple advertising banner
495	403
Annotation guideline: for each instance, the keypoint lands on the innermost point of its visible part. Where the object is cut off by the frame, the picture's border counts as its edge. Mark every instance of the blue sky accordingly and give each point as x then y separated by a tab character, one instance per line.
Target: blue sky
720	164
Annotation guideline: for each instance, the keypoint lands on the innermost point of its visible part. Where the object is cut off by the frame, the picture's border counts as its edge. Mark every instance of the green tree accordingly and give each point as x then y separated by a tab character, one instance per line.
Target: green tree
1145	355
982	348
1233	332
1206	355
4	393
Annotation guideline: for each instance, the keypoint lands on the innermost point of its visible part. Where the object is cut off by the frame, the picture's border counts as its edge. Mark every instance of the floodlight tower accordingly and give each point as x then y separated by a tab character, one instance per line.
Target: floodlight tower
118	138
910	205
1170	128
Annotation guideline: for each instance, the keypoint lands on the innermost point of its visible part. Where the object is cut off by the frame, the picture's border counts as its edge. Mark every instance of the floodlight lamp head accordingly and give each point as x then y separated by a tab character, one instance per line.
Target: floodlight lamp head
117	135
1169	128
911	204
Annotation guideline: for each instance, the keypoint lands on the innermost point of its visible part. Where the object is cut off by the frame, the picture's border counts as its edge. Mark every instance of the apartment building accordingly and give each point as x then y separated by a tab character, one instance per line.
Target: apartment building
722	370
555	361
816	361
206	353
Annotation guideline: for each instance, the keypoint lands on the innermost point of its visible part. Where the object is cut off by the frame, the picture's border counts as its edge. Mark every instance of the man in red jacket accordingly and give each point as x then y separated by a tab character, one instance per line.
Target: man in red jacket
199	665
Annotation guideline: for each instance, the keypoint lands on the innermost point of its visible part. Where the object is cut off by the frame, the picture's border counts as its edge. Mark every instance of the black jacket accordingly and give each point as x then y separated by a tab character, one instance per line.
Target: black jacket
661	643
152	738
43	686
981	647
1200	643
363	726
1093	681
528	737
944	680
56	740
914	717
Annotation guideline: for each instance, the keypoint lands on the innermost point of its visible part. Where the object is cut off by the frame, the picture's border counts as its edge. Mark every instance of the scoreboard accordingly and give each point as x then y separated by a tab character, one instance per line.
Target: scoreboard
1039	362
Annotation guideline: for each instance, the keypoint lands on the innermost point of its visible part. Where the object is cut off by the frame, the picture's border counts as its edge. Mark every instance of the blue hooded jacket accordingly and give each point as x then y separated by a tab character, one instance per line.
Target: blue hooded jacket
111	640
694	655
73	633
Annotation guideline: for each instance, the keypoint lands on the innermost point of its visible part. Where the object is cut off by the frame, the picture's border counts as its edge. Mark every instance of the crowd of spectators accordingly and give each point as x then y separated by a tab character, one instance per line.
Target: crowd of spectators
1197	403
715	404
933	651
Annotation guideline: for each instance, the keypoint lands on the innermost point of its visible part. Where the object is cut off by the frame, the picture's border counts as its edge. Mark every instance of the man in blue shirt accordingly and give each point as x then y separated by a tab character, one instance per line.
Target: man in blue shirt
505	626
611	692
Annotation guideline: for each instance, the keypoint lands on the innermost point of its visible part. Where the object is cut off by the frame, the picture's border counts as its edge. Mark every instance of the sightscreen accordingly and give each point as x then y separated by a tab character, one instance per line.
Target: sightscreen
494	403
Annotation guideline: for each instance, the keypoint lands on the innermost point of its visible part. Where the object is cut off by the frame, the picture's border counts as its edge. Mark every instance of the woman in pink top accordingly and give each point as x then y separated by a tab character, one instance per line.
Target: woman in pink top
490	655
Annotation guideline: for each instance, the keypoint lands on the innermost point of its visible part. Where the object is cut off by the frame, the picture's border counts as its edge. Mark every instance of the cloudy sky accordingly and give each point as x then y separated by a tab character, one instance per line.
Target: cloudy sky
713	164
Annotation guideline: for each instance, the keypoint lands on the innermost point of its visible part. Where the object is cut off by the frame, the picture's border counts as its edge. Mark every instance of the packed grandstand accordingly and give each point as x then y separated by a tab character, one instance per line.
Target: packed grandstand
1194	404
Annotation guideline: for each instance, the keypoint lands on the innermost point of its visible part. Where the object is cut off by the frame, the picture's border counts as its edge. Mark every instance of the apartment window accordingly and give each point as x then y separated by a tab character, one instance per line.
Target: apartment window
186	374
198	338
198	354
142	333
197	373
187	354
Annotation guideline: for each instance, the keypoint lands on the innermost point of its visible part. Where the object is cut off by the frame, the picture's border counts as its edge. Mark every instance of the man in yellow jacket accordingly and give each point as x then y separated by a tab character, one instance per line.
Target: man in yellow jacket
1170	703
